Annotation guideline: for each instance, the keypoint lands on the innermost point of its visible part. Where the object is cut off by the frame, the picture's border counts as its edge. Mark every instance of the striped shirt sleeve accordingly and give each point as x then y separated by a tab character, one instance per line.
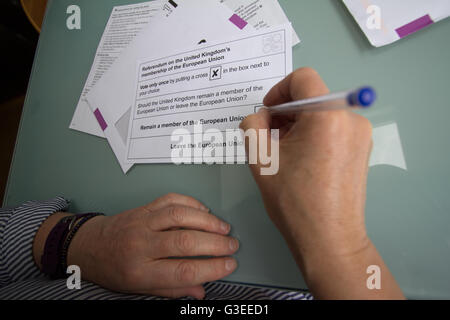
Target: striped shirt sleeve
20	278
18	227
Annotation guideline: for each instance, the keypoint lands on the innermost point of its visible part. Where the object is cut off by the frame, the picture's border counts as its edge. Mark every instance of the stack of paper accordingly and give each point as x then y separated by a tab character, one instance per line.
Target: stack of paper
386	21
167	66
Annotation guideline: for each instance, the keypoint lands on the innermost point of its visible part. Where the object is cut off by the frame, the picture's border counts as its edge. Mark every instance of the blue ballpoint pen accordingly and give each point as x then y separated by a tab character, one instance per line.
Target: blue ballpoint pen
360	98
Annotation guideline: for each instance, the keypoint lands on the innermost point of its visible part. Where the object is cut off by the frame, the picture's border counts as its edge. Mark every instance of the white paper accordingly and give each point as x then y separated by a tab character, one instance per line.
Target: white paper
394	14
214	87
124	24
261	14
177	28
387	147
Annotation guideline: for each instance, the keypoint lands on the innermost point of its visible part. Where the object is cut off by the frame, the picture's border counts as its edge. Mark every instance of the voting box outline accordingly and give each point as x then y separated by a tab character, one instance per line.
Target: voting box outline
215	73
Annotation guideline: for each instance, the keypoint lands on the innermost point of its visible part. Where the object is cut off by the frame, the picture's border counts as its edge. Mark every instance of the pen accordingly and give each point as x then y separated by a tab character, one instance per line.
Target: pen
360	98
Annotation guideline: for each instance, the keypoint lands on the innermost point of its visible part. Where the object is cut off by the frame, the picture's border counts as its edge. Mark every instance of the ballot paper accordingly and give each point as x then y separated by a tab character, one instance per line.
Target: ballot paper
261	14
386	21
182	24
124	24
199	89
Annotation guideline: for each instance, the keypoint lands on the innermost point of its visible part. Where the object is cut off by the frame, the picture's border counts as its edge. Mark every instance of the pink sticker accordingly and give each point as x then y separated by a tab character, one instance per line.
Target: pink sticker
238	21
100	119
414	26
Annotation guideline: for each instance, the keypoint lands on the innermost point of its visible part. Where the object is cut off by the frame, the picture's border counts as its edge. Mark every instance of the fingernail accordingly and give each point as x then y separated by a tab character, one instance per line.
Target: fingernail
234	244
204	208
225	227
230	264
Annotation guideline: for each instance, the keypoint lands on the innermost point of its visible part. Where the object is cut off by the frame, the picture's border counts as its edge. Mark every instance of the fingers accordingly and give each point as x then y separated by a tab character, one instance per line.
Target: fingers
174	273
186	217
173	199
259	120
197	292
301	84
189	243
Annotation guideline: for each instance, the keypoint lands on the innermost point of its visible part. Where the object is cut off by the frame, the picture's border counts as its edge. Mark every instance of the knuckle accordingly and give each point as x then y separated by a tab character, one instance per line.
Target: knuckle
185	242
301	77
211	223
306	72
331	122
171	197
220	244
177	214
186	272
364	127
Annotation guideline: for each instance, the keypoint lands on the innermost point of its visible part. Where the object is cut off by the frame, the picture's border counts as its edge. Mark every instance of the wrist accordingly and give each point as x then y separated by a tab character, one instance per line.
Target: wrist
81	251
42	235
337	226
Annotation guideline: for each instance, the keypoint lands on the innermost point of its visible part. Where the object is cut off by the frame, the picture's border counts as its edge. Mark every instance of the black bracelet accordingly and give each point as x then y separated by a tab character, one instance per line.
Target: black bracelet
50	256
54	257
72	230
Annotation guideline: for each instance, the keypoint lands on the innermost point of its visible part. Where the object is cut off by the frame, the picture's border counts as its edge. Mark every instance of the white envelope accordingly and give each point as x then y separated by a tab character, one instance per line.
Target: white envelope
184	23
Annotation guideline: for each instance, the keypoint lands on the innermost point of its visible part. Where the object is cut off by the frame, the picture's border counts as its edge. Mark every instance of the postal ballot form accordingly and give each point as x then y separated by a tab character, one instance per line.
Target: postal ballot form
113	98
213	87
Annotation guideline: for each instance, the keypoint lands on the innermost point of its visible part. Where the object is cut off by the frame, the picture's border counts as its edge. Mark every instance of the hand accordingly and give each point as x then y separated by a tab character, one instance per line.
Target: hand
318	195
317	199
130	252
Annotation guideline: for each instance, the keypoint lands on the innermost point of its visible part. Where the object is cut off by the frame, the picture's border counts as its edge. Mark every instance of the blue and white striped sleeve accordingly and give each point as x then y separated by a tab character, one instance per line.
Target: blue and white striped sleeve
18	227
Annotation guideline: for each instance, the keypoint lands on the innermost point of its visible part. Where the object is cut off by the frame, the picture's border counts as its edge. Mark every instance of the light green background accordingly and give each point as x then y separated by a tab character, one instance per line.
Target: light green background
408	212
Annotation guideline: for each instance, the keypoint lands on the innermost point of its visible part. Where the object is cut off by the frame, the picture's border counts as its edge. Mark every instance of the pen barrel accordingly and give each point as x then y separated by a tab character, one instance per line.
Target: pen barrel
360	98
316	106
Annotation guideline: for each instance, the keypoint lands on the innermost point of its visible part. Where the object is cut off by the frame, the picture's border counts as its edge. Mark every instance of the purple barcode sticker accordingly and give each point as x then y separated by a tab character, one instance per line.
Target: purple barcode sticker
238	21
100	119
414	26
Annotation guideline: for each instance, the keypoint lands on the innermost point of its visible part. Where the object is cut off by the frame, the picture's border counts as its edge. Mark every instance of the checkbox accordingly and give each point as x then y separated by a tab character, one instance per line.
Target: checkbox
215	73
257	108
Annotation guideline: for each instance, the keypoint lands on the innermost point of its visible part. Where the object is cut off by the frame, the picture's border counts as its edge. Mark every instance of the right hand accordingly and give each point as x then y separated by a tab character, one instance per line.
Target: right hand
317	198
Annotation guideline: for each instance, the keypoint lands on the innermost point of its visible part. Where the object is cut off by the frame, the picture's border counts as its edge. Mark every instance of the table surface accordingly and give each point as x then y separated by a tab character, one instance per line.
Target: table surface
408	211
